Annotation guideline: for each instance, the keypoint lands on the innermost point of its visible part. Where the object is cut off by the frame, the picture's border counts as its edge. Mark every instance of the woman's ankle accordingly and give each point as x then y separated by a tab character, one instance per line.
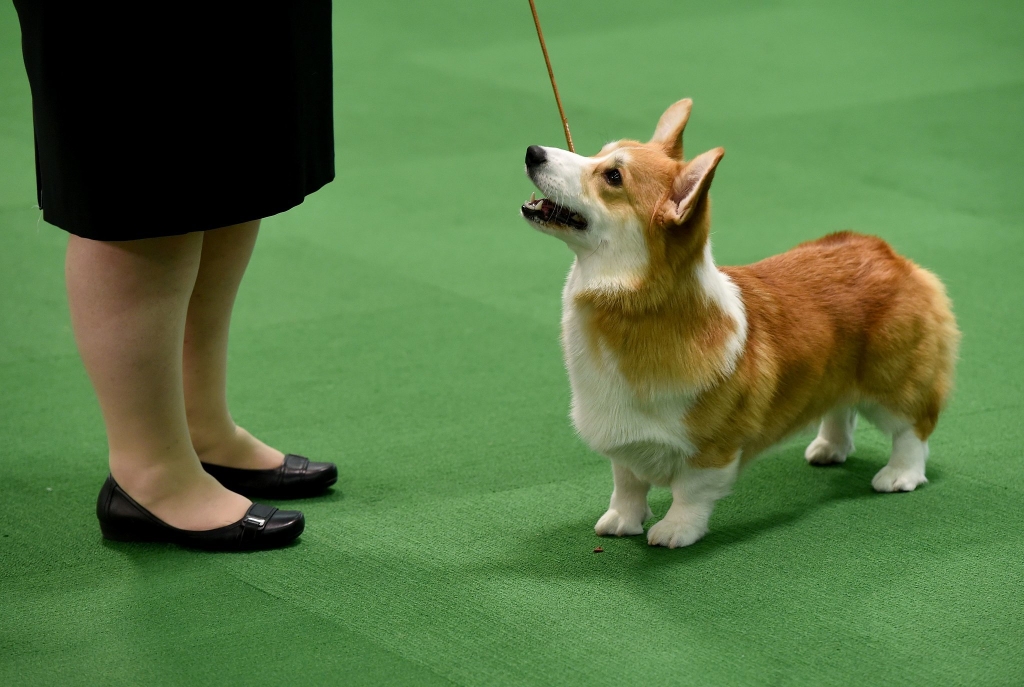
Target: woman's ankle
148	481
236	449
209	436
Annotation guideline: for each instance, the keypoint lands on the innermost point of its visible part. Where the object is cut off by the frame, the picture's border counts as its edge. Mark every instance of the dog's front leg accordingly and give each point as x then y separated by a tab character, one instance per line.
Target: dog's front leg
694	493
628	508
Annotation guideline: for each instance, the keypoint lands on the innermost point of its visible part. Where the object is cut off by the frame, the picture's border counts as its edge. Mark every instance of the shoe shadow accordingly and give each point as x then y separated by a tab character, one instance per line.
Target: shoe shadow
144	553
330	495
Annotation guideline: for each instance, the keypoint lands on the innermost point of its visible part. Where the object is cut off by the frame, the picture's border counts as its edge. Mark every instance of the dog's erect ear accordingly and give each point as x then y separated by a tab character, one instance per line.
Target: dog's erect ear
691	185
669	132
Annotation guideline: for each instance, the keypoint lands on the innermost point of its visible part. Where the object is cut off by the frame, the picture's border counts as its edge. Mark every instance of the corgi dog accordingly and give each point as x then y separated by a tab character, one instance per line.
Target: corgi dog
682	371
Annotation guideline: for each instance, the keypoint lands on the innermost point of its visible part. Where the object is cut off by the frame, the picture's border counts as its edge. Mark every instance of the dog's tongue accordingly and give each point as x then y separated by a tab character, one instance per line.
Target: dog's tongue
548	208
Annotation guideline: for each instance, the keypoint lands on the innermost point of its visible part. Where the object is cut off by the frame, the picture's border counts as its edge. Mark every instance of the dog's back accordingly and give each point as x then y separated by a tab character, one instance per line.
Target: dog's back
843	320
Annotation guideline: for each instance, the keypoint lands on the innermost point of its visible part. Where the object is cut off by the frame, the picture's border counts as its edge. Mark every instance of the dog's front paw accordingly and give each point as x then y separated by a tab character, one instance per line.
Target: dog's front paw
620	524
891	479
824	452
676	532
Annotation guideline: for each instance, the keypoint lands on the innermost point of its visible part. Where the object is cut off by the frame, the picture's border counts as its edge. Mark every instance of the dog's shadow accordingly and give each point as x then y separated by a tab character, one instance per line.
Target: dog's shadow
779	495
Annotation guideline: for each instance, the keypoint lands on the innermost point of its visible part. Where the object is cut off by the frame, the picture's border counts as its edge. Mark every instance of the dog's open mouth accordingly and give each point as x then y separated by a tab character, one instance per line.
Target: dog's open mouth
544	211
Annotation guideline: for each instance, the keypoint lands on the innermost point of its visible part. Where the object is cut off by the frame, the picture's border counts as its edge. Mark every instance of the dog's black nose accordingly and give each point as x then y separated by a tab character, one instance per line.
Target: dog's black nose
535	156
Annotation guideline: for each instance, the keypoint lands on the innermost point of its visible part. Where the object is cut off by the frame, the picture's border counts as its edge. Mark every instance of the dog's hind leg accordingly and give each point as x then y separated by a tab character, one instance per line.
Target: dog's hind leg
905	469
628	508
835	437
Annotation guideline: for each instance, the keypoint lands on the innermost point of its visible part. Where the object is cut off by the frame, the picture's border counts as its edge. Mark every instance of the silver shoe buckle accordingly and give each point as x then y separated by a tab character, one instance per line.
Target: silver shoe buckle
251	519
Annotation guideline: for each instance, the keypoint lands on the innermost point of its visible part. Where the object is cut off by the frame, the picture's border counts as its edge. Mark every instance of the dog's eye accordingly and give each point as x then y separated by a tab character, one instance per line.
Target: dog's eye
613	177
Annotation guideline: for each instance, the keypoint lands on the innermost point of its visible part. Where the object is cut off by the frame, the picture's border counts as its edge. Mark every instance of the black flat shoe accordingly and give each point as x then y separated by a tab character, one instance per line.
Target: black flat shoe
297	478
262	527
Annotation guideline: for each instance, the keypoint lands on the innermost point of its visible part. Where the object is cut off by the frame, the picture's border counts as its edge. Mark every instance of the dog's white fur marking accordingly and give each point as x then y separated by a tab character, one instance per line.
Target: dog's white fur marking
645	434
717	286
835	437
694	494
905	469
906	466
561	177
612	256
628	508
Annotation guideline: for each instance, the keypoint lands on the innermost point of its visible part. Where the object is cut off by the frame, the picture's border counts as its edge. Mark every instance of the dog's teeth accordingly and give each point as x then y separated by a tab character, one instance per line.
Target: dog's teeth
533	197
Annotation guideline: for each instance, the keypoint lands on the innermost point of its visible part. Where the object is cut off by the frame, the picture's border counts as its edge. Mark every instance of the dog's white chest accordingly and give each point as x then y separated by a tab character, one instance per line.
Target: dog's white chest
648	434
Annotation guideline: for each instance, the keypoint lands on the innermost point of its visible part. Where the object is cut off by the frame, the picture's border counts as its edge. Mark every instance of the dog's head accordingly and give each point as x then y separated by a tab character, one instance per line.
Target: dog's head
632	209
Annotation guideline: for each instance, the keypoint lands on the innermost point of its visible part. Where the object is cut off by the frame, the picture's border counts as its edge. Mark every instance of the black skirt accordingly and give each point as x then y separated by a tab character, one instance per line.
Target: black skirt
156	122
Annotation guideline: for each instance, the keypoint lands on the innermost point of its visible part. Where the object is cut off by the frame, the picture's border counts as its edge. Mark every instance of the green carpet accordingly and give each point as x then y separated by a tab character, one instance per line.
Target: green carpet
403	322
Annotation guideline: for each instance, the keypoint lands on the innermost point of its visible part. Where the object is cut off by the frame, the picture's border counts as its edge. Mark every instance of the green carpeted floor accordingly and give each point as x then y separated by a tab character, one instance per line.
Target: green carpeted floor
404	323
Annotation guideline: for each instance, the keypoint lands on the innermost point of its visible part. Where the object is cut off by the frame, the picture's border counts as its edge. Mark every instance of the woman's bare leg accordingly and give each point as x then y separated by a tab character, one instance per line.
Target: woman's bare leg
128	302
215	436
